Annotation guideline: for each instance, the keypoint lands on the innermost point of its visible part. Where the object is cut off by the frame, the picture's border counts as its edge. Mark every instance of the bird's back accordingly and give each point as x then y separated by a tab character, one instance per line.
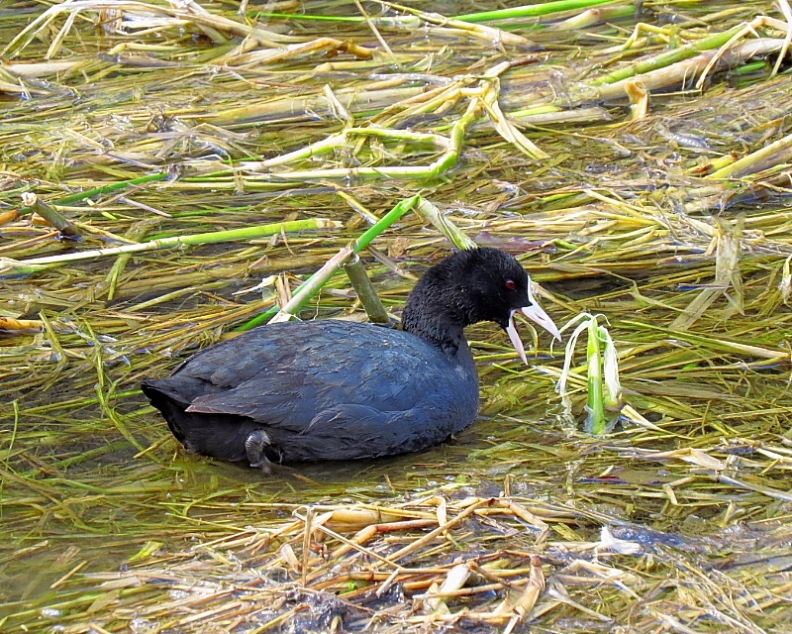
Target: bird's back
321	390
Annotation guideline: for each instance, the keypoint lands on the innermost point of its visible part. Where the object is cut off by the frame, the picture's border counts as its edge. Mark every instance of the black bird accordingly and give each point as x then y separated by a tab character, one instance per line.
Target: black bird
341	390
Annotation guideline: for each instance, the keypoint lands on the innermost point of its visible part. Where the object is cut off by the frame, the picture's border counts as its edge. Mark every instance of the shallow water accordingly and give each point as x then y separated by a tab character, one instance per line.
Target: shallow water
619	220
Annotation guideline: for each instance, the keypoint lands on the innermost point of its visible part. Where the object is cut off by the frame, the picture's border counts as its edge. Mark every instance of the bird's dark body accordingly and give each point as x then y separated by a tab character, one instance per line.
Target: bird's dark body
321	390
339	390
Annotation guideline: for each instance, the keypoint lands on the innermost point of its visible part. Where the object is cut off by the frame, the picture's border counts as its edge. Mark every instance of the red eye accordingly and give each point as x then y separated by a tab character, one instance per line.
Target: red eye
511	285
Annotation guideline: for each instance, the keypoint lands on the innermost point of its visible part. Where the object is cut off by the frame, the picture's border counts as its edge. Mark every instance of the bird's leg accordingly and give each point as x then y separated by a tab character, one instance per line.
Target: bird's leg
255	444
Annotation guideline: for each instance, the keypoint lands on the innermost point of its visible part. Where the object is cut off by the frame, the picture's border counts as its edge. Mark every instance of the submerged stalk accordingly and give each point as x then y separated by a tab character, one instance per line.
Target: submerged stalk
595	421
214	237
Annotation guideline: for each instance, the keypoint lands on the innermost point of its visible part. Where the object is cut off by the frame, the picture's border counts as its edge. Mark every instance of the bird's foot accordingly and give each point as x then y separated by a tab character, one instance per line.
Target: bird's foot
255	445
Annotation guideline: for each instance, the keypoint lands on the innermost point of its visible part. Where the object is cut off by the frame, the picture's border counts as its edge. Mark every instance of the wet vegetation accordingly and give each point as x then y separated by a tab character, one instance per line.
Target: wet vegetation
170	172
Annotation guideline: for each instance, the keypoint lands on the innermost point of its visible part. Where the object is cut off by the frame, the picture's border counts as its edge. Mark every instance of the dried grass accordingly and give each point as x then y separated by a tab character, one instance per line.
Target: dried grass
156	121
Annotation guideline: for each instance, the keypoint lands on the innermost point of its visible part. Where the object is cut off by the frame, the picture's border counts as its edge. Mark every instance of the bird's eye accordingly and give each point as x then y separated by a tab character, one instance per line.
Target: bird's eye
511	285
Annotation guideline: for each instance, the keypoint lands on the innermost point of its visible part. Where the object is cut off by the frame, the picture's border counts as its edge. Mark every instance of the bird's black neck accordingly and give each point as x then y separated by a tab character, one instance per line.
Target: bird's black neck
435	321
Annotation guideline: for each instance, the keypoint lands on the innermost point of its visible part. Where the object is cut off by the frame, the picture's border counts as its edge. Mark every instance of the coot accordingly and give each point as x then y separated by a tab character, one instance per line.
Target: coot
341	390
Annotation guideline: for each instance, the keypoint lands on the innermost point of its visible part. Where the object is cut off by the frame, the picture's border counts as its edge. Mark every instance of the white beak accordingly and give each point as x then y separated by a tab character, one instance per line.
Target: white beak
535	313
